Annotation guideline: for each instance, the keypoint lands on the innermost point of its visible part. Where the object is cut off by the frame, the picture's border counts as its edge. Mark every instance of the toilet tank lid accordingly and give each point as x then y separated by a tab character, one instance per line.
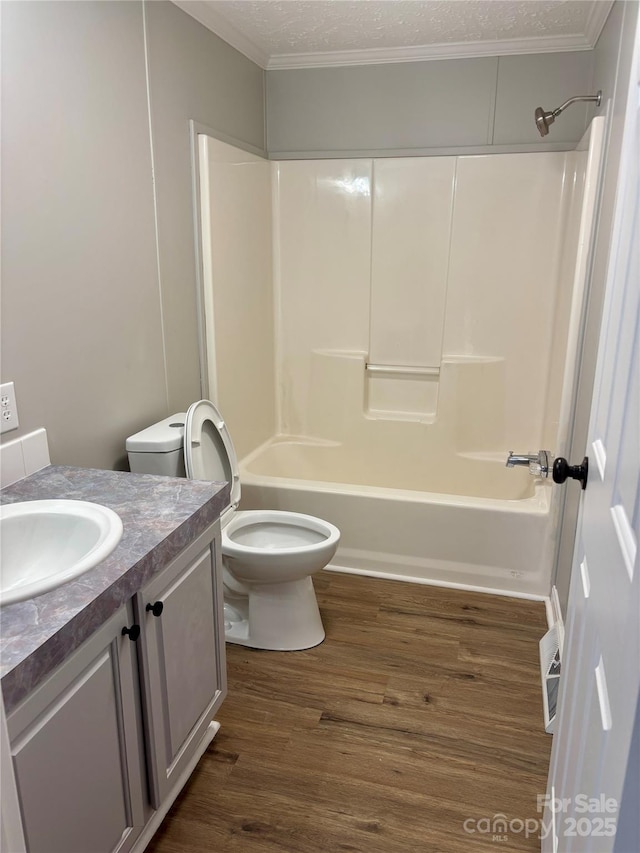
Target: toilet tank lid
163	437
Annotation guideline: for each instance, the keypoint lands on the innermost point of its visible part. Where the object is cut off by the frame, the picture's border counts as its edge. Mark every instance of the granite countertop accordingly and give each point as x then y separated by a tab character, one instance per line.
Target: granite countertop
160	515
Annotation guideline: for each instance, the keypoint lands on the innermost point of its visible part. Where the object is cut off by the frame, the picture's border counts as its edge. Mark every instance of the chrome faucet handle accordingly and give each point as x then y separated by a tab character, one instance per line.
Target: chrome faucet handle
540	467
539	463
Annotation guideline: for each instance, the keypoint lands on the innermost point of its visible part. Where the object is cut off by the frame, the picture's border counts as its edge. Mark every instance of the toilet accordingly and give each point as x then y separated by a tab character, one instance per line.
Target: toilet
268	556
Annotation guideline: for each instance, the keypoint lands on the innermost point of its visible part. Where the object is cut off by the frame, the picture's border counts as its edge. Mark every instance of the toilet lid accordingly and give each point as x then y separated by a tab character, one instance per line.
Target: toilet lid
208	449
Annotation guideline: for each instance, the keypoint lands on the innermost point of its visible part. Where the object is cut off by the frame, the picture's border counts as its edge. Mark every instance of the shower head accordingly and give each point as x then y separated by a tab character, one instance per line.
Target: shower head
545	119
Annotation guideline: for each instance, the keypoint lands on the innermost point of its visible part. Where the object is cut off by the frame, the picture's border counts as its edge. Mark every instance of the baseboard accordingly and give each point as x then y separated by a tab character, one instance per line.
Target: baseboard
374	573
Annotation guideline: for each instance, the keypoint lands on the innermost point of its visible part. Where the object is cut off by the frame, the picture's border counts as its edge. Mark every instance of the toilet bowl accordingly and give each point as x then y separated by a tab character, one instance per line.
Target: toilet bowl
273	555
287	545
268	556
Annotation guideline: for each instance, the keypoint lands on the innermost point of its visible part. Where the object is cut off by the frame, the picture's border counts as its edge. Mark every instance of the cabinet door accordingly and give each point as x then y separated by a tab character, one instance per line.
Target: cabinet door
183	659
75	749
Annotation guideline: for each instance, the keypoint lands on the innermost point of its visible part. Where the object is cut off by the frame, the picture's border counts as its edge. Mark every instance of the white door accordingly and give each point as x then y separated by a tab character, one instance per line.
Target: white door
601	663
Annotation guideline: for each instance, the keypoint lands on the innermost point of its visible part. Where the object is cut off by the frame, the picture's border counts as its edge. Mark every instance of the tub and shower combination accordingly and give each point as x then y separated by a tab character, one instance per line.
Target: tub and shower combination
481	526
413	345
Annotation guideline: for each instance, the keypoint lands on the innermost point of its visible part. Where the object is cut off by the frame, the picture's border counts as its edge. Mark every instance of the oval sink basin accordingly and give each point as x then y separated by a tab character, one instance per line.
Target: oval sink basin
44	544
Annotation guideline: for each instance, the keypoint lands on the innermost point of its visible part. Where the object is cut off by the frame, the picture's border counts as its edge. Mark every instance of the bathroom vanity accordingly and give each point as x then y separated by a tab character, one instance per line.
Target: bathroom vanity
111	682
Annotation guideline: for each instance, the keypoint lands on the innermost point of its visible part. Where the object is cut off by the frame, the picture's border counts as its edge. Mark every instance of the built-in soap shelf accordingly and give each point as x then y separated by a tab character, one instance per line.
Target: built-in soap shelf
401	392
466	394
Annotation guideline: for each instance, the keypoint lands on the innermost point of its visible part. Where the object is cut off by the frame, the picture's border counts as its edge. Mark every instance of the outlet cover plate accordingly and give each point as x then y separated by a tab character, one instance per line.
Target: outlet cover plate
8	408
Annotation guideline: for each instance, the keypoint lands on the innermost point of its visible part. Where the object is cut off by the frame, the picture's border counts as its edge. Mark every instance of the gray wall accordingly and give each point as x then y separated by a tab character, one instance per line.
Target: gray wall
81	333
193	75
441	106
84	310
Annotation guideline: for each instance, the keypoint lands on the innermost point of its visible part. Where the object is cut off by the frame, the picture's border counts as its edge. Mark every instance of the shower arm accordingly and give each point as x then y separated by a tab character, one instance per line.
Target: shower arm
597	99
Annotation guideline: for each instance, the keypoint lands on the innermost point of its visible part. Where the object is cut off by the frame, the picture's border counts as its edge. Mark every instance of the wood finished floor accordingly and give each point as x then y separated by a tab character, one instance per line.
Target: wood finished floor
421	709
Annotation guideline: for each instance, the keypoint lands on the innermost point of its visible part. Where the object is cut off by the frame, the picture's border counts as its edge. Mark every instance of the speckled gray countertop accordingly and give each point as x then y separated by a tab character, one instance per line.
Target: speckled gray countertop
160	515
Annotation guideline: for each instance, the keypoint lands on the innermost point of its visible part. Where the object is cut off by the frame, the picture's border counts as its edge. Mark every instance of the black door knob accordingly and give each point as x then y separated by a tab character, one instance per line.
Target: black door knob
133	632
156	608
563	471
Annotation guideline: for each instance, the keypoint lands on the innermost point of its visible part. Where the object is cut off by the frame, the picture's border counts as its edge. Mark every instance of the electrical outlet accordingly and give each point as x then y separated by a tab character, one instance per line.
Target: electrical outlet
9	408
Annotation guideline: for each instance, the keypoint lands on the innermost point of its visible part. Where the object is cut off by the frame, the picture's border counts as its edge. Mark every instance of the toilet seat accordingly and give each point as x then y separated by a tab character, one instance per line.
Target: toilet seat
209	453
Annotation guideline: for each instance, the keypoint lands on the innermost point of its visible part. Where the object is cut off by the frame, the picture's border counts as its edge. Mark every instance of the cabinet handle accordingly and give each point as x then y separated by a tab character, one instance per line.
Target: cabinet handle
133	632
156	608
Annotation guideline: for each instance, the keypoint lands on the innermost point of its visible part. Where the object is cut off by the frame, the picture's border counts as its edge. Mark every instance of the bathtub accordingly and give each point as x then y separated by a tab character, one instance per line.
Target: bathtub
460	521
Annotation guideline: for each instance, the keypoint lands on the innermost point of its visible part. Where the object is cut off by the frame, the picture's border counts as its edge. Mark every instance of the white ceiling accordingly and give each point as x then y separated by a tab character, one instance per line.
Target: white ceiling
313	33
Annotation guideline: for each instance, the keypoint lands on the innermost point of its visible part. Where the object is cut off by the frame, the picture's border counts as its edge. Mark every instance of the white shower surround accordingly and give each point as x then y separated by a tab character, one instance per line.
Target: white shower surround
440	507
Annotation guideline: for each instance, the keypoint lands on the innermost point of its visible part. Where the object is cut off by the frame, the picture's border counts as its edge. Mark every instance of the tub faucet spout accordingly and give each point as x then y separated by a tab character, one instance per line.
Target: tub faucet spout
520	459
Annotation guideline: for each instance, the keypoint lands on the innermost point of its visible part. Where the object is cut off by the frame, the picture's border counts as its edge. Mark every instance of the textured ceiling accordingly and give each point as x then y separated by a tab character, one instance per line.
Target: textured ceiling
276	29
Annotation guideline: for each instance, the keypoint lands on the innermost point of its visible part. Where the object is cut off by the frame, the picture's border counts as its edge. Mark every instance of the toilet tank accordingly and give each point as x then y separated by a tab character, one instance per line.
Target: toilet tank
159	449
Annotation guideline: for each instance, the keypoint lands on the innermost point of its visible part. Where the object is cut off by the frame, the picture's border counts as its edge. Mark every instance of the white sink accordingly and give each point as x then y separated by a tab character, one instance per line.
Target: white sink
44	544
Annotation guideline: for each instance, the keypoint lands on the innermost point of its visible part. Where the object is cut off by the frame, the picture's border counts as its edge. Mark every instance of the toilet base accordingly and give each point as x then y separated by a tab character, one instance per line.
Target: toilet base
282	617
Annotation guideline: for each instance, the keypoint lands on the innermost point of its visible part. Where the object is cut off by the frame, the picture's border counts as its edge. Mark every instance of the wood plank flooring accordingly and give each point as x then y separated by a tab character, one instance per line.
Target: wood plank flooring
420	711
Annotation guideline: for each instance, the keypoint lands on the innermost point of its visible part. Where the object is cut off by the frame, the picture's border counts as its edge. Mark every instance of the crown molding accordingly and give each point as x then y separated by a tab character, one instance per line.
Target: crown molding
206	14
453	50
597	19
209	17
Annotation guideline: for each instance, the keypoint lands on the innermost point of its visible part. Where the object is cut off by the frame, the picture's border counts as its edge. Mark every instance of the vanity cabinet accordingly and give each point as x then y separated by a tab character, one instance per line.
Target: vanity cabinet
103	746
184	680
76	750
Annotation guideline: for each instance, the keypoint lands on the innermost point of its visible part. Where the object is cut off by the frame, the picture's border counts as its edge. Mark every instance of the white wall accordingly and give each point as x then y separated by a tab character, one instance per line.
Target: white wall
236	206
503	276
559	318
384	261
323	251
412	211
